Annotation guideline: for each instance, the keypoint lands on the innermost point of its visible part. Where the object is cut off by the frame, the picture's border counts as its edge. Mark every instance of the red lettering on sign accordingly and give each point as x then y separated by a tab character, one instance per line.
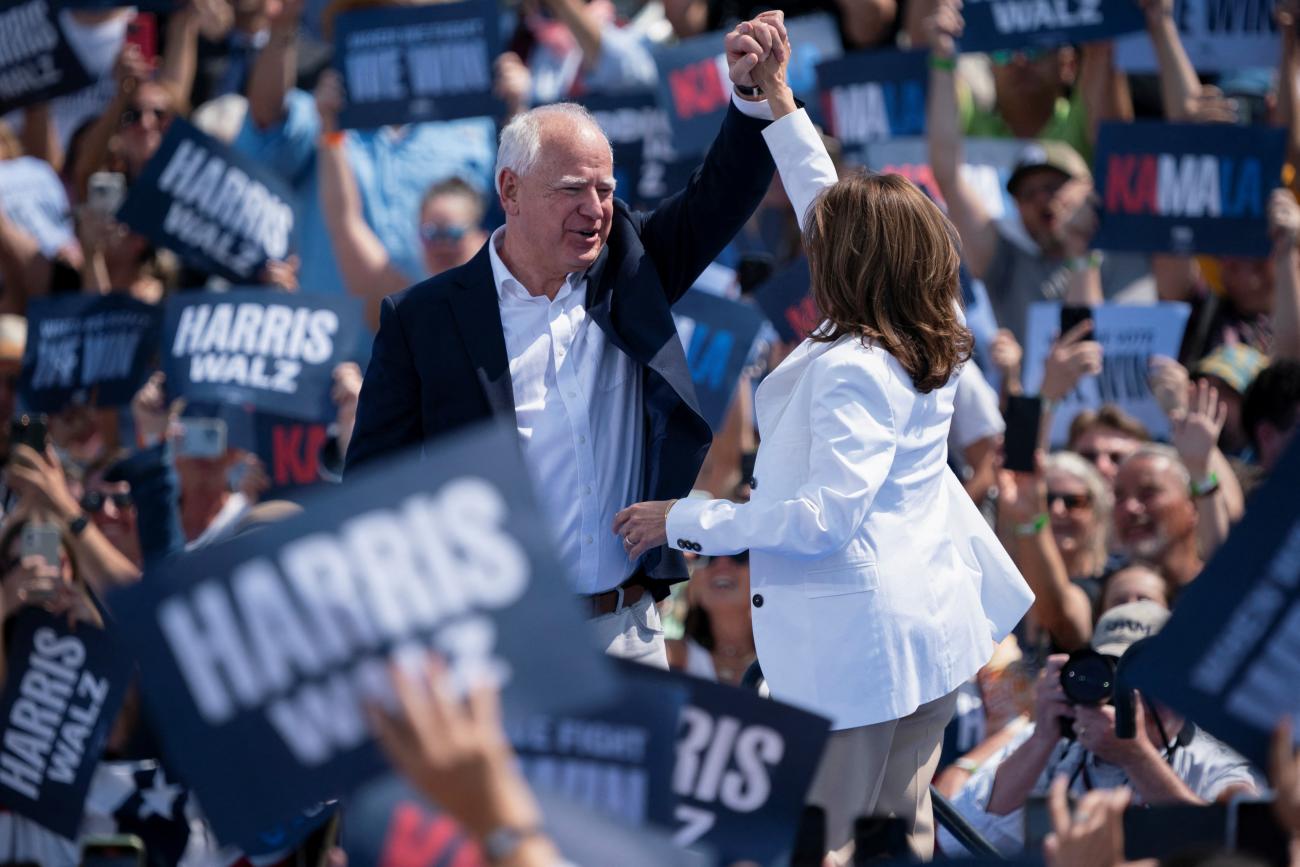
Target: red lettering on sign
803	317
697	89
295	453
1131	184
416	839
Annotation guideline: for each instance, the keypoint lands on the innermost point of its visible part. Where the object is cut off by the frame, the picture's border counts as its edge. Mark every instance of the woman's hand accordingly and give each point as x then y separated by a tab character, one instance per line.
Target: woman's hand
1071	358
1196	432
39	480
329	100
1022	497
643	526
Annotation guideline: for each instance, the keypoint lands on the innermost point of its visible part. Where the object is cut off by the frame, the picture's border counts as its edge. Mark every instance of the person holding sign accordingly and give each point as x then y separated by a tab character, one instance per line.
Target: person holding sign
561	325
870	605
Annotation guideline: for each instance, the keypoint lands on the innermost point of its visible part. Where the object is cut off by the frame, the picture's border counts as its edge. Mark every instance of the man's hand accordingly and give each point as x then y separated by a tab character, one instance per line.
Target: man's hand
943	28
1050	703
1211	106
1094	728
1006	355
1074	212
512	82
1196	433
1094	836
1071	358
345	393
1283	220
750	42
1022	497
329	100
643	526
282	273
154	419
130	68
1170	385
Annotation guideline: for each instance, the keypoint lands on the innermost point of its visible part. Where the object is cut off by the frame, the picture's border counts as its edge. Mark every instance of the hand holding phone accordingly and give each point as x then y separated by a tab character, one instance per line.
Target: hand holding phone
31	431
105	192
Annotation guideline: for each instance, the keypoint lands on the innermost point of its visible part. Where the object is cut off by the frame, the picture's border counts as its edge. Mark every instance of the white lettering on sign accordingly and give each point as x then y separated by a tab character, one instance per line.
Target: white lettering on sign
1029	16
26	31
326	599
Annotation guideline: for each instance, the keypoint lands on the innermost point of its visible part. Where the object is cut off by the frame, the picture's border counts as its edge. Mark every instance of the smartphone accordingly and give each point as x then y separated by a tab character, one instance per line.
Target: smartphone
1021	438
29	430
1160	831
117	850
203	438
142	32
41	540
1072	315
105	192
1038	822
810	838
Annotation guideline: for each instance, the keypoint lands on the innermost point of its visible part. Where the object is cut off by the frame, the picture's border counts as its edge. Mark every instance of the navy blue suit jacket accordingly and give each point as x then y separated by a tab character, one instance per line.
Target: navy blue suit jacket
439	361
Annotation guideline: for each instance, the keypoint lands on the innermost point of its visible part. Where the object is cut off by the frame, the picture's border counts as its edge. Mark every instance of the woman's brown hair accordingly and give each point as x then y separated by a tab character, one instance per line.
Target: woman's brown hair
884	266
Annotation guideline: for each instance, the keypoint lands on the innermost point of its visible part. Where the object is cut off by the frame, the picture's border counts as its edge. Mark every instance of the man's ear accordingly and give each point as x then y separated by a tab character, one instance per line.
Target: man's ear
509	192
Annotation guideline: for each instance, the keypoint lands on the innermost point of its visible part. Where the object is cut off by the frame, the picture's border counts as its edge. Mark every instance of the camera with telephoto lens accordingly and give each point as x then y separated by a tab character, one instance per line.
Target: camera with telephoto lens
1088	677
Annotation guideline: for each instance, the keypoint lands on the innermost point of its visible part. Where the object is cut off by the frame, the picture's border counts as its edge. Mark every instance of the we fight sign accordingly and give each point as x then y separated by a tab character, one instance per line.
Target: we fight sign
1187	188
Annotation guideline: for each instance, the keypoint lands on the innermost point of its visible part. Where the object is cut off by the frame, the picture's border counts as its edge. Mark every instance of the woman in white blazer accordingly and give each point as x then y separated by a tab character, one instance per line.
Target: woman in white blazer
877	589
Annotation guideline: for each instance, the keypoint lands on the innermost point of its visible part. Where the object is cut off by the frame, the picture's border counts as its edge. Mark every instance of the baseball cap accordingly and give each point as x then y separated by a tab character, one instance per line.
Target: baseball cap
1235	365
1048	154
1124	624
13	337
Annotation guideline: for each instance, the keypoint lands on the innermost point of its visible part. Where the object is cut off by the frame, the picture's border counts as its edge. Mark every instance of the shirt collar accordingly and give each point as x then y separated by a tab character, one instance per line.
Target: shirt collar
507	282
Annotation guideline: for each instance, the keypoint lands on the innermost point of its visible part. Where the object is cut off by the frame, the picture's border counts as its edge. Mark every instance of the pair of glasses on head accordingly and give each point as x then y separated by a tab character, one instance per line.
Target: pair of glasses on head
1072	502
1003	58
94	501
703	561
432	234
134	115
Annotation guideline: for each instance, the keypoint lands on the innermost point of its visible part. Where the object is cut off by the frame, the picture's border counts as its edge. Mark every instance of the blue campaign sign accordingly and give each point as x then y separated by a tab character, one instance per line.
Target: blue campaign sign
1187	188
695	89
1229	657
87	350
786	302
616	759
872	96
257	654
63	689
1130	336
744	765
718	335
994	25
408	64
1218	36
274	350
291	450
221	211
37	63
642	139
156	6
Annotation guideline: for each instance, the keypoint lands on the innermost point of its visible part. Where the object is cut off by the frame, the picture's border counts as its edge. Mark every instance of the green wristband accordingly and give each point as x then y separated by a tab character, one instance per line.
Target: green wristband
947	64
1034	527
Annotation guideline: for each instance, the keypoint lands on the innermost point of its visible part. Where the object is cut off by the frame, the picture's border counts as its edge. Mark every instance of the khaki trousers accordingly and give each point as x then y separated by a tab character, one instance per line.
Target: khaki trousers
883	769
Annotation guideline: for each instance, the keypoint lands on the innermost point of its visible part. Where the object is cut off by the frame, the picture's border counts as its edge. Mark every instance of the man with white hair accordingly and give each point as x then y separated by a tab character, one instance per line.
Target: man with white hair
562	324
1155	512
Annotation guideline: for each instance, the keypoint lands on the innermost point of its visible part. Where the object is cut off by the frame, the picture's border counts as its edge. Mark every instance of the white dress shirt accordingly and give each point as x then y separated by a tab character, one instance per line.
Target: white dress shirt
578	409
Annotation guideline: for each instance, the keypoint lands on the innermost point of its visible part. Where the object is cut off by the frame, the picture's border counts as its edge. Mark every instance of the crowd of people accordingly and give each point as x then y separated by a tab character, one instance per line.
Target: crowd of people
1109	526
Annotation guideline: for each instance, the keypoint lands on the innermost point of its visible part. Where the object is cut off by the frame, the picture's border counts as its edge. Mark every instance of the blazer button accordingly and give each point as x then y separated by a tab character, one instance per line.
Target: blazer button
758	600
753	483
681	543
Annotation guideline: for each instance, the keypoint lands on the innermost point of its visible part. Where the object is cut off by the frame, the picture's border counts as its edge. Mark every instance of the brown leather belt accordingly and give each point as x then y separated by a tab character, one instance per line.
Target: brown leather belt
600	604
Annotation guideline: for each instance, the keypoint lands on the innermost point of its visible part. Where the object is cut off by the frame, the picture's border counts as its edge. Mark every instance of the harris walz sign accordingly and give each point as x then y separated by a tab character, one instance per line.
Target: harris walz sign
221	211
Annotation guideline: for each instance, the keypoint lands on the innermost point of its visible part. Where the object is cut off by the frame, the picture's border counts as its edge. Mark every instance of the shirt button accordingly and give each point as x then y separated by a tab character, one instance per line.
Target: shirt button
586	490
586	539
581	439
573	395
758	600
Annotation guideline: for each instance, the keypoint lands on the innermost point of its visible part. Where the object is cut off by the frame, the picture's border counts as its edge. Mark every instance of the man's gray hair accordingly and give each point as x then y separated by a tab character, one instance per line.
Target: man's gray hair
521	140
1170	454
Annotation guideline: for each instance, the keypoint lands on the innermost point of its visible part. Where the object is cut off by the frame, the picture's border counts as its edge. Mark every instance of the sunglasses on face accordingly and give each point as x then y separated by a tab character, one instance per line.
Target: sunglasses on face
1093	457
94	501
431	233
703	561
134	115
1072	502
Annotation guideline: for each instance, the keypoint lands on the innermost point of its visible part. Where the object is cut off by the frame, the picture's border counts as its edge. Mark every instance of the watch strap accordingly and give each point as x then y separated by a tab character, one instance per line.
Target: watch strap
78	525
